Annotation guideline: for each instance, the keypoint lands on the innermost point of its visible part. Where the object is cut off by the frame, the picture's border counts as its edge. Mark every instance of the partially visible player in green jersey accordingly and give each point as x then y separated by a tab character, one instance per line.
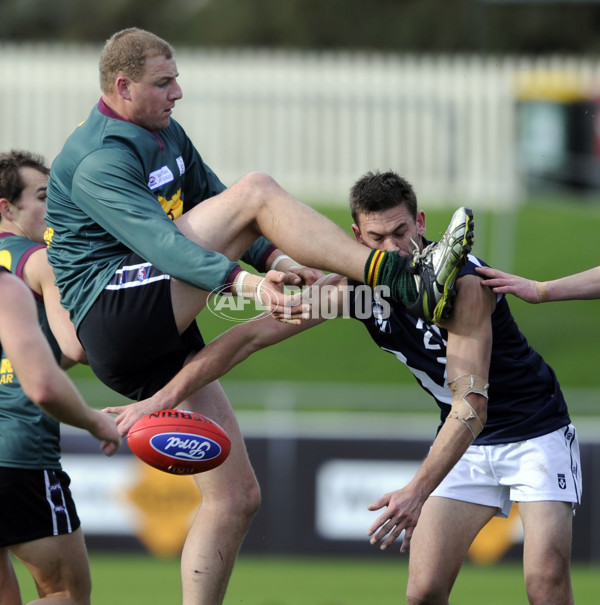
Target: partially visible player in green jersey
141	231
35	395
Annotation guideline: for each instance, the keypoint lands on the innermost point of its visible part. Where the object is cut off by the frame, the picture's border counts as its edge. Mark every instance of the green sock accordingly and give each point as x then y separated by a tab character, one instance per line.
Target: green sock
392	270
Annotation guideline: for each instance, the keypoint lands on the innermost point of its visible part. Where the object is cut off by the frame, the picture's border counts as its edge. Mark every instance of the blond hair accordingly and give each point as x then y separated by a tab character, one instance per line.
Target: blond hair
125	53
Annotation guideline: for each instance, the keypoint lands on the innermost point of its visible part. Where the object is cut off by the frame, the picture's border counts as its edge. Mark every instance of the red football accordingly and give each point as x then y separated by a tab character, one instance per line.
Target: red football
179	442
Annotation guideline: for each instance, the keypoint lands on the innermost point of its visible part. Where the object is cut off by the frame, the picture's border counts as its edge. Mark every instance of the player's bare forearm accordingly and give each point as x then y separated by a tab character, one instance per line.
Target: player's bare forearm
295	273
403	506
207	365
213	361
580	286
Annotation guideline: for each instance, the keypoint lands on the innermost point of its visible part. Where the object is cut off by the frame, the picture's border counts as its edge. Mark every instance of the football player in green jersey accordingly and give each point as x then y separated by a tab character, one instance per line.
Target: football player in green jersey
141	231
35	395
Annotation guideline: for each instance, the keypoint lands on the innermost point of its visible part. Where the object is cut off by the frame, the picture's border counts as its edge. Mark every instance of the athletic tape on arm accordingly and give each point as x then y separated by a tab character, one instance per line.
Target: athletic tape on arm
461	408
278	260
542	291
281	257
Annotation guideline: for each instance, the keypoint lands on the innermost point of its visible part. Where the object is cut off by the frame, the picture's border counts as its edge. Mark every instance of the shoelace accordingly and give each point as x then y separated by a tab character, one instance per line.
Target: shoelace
420	255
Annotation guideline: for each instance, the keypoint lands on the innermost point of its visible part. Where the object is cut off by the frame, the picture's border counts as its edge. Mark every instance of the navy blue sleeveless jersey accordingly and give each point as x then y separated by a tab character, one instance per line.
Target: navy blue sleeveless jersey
525	399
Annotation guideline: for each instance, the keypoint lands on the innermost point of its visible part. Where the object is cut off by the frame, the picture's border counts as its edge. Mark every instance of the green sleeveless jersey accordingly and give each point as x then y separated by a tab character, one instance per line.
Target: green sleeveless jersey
116	188
29	438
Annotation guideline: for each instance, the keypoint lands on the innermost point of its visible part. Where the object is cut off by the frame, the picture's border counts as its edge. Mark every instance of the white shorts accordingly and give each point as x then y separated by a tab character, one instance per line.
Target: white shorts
540	469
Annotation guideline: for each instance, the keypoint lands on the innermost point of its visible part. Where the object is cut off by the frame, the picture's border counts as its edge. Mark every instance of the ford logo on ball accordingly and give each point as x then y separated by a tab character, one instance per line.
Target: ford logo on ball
185	446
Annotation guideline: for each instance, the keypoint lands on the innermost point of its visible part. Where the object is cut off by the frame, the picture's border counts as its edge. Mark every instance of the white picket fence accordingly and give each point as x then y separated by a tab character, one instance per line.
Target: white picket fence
315	121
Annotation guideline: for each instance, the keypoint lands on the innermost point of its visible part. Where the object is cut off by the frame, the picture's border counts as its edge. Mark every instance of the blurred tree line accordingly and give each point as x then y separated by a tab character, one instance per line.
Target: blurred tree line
491	26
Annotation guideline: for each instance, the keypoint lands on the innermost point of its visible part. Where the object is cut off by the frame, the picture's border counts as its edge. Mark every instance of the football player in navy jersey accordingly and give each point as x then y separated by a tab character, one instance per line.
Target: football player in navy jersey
579	286
505	433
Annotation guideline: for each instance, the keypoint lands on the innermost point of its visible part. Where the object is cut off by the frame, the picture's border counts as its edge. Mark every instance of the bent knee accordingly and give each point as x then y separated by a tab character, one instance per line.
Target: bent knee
549	586
240	498
259	183
250	499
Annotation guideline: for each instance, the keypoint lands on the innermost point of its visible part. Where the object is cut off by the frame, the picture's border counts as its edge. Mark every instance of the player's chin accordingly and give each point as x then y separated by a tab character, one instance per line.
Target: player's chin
161	123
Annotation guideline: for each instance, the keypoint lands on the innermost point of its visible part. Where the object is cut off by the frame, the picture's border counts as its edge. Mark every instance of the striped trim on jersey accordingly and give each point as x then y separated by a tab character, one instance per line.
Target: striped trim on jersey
61	521
132	276
374	266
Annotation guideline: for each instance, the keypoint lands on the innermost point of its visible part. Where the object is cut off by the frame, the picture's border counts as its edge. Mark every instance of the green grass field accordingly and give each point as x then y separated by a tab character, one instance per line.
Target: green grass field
138	580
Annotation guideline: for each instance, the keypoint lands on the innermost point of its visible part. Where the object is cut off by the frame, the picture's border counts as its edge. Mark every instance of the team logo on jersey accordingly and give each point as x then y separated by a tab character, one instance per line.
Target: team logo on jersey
48	235
5	259
6	372
160	177
562	482
173	207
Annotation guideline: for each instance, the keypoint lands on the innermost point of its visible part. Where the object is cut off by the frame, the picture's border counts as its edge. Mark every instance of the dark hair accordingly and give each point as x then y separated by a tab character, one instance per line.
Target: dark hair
126	52
377	191
11	183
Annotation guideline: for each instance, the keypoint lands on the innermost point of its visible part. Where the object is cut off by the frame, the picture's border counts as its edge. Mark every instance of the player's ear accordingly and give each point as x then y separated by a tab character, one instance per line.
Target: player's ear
420	223
357	234
123	87
6	209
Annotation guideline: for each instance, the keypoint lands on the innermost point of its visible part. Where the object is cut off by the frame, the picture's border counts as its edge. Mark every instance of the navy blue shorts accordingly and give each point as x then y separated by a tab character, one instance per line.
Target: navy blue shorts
35	504
130	335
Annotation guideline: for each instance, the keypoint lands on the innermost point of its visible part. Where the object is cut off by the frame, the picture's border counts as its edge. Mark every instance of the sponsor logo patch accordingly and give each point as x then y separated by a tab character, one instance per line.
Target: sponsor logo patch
160	177
185	446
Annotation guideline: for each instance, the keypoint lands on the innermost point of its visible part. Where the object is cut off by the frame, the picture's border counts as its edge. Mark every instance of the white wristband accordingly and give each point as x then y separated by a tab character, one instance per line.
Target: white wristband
239	282
278	260
258	290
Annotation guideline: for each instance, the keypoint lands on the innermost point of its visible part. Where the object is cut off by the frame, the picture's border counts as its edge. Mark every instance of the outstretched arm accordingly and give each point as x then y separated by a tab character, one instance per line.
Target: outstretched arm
580	286
221	355
468	354
40	377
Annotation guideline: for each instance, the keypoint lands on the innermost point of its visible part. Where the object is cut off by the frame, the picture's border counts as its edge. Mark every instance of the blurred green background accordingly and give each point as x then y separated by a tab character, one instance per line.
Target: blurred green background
455	26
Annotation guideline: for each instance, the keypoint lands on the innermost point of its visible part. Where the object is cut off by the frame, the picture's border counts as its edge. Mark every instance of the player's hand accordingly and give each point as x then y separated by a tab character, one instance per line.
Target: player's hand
287	308
505	283
294	310
302	276
401	514
105	430
271	289
128	415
